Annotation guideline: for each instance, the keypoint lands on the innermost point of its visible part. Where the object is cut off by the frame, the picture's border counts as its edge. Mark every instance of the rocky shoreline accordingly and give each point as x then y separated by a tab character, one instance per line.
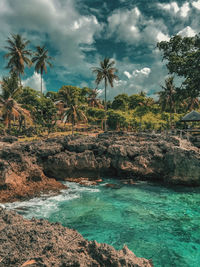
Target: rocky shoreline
40	243
29	168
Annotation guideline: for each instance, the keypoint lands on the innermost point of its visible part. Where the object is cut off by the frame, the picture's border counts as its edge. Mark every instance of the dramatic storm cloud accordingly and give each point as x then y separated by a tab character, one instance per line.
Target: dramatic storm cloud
80	33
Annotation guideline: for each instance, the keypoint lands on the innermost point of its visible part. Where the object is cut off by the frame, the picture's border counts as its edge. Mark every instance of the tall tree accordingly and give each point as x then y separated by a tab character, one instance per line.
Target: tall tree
42	60
183	59
18	55
106	72
167	97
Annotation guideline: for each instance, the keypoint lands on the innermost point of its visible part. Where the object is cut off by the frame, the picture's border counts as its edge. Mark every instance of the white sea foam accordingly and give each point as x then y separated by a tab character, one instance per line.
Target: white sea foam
46	204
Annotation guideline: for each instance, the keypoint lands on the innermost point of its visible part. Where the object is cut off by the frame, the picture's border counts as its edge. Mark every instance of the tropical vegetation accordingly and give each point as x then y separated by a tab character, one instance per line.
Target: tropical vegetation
27	112
41	59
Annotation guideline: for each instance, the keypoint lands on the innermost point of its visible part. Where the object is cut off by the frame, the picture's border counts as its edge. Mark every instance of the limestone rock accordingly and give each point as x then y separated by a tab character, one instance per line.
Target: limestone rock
127	156
50	244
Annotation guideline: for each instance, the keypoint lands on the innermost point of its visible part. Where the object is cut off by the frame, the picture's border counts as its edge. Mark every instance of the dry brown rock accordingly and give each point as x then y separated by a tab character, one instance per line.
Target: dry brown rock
133	156
47	244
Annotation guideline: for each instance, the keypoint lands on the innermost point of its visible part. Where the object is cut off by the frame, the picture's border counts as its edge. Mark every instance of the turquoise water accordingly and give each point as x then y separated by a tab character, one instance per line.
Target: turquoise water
154	221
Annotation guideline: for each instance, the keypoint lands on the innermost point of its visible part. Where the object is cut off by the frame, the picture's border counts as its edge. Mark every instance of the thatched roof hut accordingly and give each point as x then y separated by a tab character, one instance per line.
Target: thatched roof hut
192	116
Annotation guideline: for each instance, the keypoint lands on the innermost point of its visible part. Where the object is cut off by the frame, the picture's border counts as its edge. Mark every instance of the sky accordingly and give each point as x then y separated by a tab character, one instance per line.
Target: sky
81	33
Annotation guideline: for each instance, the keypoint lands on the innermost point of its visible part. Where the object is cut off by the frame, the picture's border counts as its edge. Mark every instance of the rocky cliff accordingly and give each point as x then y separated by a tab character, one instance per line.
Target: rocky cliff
40	243
26	168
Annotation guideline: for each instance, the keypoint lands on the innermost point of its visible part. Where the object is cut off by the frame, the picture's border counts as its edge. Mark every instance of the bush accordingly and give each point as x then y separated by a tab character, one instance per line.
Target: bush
116	120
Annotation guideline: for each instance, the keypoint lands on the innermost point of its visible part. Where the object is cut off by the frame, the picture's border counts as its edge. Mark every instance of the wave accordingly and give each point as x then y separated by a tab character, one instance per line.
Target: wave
45	204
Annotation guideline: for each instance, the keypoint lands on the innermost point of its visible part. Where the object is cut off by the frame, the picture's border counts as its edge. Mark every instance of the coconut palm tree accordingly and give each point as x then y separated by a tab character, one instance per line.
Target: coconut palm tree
9	108
106	73
92	99
74	114
18	55
167	97
42	60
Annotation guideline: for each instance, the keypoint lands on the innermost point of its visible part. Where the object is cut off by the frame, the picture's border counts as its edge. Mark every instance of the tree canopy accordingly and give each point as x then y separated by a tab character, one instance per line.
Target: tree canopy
183	59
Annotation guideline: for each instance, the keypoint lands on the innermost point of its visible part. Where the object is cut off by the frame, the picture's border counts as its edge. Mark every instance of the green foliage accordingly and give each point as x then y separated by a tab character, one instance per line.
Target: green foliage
52	95
2	128
116	120
29	98
10	86
41	60
74	114
121	102
96	113
167	96
17	54
70	94
42	109
84	94
140	111
106	72
135	100
45	113
183	57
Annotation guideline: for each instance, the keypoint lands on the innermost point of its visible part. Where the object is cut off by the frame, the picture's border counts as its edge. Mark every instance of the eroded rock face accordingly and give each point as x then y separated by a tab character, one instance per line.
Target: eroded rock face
44	244
21	176
142	156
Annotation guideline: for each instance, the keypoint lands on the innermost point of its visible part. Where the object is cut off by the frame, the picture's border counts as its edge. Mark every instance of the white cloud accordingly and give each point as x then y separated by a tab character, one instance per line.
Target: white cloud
187	32
134	79
184	10
138	73
132	27
196	4
144	72
35	82
124	22
162	37
128	75
174	9
56	22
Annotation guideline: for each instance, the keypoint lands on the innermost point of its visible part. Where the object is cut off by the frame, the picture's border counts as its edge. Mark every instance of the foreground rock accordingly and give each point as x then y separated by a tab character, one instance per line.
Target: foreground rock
44	244
28	165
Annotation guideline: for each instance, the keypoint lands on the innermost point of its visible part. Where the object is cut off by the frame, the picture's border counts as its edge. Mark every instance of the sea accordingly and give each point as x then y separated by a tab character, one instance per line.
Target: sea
156	222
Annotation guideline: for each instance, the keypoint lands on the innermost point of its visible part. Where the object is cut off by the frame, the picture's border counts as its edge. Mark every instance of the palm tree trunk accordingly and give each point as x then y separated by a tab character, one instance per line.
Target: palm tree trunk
105	105
170	116
20	80
41	81
72	127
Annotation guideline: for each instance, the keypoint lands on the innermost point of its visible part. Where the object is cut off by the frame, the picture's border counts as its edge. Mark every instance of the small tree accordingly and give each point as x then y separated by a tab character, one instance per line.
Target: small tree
121	102
10	109
74	114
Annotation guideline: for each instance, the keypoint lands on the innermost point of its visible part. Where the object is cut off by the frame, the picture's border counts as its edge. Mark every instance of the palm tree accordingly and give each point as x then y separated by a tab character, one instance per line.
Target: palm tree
41	58
18	55
167	97
74	114
92	99
10	109
106	73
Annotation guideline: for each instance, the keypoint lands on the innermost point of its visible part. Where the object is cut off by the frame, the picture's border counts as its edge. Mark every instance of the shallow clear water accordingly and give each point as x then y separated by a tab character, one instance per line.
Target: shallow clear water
154	221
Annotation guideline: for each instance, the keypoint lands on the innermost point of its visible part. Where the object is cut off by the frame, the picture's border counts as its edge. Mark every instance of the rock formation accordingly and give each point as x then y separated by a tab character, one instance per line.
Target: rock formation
39	243
26	168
